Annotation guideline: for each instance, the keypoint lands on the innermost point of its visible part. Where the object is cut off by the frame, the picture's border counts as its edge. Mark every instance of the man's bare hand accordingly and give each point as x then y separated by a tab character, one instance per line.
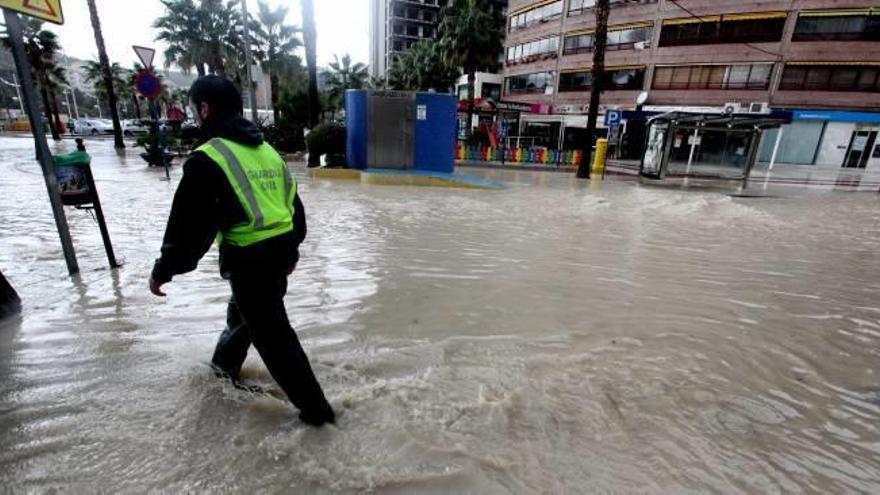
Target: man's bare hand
156	288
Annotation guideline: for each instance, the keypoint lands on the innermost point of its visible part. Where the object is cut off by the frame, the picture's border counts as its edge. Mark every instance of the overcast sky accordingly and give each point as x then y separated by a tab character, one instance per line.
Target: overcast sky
343	27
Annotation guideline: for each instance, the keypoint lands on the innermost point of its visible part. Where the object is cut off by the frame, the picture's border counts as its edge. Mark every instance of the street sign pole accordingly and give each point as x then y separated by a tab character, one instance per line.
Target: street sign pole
29	99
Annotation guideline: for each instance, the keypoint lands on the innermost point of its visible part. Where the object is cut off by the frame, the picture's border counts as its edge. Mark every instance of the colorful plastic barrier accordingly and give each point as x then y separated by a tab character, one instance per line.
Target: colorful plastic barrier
538	156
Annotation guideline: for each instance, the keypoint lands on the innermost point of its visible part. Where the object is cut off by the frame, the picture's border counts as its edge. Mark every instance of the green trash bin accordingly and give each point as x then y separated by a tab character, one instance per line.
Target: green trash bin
73	175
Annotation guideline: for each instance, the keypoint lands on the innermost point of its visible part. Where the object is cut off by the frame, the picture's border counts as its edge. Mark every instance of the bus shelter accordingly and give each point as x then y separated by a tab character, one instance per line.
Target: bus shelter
712	146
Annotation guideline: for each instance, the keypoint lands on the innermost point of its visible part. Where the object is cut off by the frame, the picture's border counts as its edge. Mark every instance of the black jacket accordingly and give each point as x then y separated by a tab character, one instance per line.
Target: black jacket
205	204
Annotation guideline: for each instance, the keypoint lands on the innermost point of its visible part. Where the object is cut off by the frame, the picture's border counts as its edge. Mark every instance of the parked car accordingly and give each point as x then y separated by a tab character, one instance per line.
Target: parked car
134	127
93	127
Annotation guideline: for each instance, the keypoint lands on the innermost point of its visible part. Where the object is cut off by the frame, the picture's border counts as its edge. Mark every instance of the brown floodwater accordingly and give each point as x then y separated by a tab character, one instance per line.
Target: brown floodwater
552	337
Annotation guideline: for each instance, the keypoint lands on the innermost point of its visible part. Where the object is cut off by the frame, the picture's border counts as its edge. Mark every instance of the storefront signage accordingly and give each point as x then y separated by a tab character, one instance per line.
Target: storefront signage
858	117
570	109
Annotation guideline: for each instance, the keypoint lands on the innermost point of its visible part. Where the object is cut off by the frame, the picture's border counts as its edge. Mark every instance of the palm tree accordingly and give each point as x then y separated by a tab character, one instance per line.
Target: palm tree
123	81
181	29
277	42
598	73
311	41
108	75
342	76
198	34
471	35
422	68
377	83
56	82
41	48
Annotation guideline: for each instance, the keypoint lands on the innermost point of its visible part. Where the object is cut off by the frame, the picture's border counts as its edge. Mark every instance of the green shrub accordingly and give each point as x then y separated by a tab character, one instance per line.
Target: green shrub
284	137
329	139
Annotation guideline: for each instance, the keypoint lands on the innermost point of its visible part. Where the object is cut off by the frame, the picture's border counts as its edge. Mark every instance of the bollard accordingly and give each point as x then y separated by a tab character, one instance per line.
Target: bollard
10	304
599	158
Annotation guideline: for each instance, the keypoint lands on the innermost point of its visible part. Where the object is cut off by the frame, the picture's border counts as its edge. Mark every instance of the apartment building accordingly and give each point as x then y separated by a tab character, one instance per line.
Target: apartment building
819	59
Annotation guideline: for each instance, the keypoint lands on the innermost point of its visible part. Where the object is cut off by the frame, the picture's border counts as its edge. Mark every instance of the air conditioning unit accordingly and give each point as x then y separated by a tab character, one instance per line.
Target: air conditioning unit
731	108
762	107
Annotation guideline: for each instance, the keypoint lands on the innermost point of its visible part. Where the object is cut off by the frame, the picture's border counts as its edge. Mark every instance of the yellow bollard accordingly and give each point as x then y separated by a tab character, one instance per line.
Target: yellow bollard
599	158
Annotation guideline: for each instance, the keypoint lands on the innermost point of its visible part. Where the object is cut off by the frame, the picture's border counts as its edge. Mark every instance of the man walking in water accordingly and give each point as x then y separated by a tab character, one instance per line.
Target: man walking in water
237	189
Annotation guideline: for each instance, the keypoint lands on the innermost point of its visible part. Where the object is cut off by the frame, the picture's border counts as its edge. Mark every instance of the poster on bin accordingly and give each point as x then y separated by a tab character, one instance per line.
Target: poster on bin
73	185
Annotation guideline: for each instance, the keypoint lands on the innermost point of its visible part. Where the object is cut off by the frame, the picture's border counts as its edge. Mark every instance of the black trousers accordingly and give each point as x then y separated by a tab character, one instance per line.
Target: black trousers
256	315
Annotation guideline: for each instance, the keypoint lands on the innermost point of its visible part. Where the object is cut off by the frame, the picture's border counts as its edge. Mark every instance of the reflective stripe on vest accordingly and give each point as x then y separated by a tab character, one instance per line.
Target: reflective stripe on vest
264	186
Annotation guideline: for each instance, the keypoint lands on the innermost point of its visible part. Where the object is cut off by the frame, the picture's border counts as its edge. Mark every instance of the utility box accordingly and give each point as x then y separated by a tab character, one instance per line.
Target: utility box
401	130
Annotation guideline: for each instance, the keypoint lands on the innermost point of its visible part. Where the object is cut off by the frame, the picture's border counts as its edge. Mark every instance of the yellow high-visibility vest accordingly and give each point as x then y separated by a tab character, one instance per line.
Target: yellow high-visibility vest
264	186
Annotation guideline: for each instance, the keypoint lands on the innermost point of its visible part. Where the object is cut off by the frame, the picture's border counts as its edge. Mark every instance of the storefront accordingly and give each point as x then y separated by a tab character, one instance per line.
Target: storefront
826	139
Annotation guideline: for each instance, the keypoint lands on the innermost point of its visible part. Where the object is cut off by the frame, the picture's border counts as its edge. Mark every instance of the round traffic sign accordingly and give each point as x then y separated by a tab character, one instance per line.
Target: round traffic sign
148	84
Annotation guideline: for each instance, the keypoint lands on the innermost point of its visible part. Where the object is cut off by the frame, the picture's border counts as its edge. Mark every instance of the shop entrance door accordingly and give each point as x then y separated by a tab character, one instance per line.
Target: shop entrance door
860	147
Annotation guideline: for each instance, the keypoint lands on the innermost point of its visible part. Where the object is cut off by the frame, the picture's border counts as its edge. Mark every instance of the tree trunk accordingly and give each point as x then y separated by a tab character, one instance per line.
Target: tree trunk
47	110
108	75
217	65
55	113
598	73
310	37
10	304
137	106
472	84
273	83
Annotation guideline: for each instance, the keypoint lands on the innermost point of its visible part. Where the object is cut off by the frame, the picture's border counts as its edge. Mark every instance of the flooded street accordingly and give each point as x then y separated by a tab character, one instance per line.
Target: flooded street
553	337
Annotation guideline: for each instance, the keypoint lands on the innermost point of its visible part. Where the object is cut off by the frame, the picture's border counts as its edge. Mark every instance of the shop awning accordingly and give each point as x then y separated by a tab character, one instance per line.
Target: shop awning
724	121
754	16
607	69
837	12
839	63
618	27
532	6
691	20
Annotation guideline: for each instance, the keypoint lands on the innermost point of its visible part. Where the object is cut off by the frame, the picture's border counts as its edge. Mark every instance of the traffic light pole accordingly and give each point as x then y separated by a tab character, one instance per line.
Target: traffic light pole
29	98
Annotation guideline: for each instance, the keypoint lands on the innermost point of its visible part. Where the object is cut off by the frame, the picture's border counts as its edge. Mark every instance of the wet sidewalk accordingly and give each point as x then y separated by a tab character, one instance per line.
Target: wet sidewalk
851	180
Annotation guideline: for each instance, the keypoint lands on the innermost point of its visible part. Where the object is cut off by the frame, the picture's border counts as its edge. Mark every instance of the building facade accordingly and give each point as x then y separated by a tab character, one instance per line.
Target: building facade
395	25
819	59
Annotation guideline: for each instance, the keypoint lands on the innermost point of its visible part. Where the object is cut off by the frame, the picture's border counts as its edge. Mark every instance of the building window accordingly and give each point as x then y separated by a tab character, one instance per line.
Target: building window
578	7
618	39
529	83
765	27
853	25
863	78
491	90
739	76
543	13
616	79
533	49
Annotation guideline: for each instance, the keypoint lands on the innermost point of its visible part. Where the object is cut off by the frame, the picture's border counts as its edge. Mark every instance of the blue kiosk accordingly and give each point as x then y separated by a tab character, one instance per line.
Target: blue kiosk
401	130
405	138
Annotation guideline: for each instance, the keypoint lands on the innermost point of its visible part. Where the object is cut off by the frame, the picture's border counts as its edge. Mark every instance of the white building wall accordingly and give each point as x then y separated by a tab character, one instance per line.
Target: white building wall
832	151
479	79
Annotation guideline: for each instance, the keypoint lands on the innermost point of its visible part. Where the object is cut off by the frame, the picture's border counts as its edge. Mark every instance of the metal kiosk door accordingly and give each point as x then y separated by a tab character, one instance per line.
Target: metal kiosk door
860	147
390	133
